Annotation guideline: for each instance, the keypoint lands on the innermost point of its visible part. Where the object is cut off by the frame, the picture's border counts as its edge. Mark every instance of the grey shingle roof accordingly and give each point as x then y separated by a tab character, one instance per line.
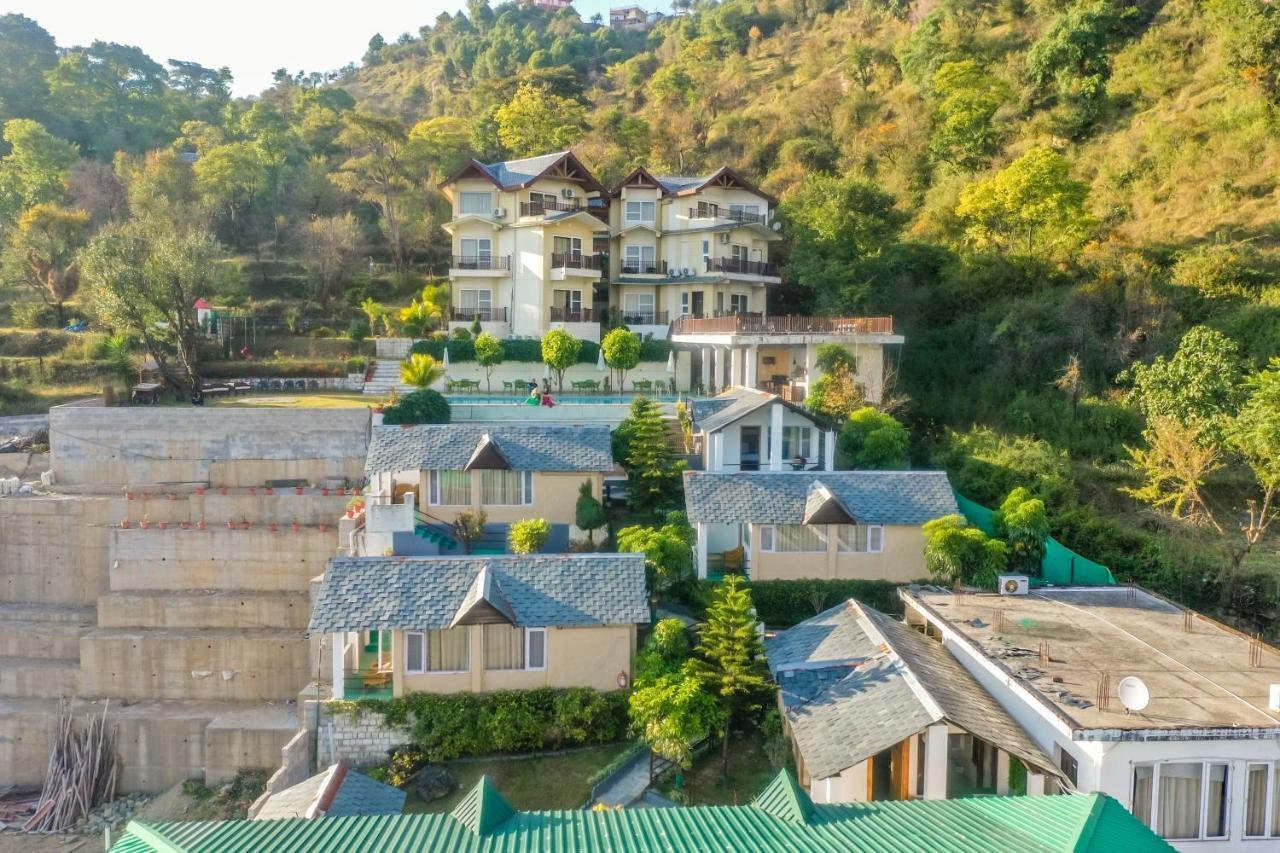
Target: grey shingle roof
416	593
676	183
510	173
727	407
527	448
358	795
778	497
855	682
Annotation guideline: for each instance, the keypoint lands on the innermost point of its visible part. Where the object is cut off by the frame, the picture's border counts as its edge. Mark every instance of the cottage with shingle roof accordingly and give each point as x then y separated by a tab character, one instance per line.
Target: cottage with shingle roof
744	429
424	477
878	711
786	525
481	623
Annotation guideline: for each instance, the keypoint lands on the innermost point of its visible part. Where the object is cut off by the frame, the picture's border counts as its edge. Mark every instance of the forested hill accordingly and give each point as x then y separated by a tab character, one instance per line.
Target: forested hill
1046	195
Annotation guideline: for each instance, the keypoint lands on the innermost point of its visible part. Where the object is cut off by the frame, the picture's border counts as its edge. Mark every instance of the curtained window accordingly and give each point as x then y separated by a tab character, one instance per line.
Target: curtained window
1185	800
478	203
415	652
1143	777
503	647
860	538
509	488
796	441
1216	808
448	649
793	538
1262	801
451	488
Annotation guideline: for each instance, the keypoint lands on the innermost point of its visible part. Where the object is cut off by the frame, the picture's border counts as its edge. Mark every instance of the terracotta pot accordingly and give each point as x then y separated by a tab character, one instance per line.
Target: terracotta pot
325	491
244	525
126	524
222	491
296	527
231	525
297	490
274	527
128	496
164	525
200	490
173	496
270	490
200	525
185	525
145	525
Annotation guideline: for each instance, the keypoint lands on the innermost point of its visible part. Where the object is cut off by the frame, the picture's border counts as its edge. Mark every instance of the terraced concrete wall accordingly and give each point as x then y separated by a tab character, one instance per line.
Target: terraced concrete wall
218	558
111	447
53	550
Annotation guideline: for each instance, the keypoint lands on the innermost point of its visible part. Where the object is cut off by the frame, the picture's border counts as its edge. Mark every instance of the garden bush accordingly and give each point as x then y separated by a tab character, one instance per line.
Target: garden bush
420	407
447	726
781	604
530	350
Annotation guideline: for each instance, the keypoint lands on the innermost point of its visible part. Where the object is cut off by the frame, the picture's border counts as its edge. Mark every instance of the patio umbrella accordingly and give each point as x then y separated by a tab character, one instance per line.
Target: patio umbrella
446	357
546	371
600	366
671	362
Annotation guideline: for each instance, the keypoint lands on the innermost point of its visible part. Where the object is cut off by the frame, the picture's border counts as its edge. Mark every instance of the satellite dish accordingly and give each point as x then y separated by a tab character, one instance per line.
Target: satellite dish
1134	694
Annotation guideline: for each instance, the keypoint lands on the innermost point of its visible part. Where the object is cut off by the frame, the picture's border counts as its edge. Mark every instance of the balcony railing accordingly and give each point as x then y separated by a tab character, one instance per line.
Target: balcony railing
710	211
787	325
575	315
741	267
645	318
575	261
481	262
648	268
484	315
541	208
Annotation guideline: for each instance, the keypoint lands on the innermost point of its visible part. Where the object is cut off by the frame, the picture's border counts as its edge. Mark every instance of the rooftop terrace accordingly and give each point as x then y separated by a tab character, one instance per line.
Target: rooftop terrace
1072	646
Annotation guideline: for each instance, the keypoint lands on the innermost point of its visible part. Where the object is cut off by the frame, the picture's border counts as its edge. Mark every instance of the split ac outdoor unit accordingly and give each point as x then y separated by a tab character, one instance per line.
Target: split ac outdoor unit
1014	585
688	273
499	213
566	192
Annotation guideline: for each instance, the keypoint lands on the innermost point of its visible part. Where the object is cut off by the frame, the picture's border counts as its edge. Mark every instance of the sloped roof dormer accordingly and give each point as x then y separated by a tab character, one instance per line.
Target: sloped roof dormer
484	603
821	506
488	456
484	809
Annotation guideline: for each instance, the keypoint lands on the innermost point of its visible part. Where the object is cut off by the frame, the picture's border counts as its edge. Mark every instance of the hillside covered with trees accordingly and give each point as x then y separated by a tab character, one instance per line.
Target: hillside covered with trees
1070	208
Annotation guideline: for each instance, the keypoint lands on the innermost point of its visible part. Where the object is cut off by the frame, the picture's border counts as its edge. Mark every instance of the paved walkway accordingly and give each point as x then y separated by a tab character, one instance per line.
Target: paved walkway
628	786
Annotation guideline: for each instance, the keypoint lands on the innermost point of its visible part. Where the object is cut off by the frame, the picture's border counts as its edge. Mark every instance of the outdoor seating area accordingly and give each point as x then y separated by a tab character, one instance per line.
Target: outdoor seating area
731	562
464	385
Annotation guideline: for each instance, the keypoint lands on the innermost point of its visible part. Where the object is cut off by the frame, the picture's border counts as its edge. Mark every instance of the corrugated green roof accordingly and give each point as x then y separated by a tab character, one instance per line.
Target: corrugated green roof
781	819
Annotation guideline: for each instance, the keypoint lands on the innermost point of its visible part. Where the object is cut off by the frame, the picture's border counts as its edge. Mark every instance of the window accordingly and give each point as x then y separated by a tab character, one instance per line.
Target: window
1262	801
509	647
1070	767
706	249
796	441
745	212
506	488
567	246
739	253
478	203
640	211
451	488
738	303
475	303
475	251
415	652
535	646
448	649
540	201
860	538
640	259
1184	800
793	538
637	308
684	303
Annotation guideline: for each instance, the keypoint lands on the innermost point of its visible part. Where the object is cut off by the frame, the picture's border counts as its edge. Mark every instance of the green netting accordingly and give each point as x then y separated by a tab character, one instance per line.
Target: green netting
1060	565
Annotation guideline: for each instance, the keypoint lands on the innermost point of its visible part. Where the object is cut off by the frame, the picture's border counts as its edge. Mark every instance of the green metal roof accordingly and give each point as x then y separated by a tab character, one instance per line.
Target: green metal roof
782	818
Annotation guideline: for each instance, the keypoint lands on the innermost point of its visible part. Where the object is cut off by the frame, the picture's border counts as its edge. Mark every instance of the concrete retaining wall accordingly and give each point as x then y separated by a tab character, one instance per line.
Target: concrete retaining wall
362	742
204	608
295	767
111	447
53	550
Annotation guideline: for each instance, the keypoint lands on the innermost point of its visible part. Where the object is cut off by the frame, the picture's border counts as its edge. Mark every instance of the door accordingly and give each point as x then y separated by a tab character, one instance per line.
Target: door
569	302
749	449
568	249
696	303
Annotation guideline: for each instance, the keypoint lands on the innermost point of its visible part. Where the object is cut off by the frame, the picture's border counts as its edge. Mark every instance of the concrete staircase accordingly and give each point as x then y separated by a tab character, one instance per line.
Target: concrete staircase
386	377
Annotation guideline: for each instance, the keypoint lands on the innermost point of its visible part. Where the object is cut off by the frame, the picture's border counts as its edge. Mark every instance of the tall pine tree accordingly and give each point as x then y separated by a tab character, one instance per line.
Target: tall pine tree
652	468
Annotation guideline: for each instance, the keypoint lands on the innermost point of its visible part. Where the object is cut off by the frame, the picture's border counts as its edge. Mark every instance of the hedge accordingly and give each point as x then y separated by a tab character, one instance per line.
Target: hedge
781	604
448	726
530	350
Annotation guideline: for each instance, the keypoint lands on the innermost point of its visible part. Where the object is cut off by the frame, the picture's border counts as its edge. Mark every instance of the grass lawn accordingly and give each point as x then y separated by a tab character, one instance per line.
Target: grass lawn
556	781
36	400
298	400
749	772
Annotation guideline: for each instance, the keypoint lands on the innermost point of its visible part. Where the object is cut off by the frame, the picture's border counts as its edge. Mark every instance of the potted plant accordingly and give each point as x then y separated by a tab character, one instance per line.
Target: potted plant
325	491
269	490
231	525
128	493
125	523
200	525
244	524
388	551
274	527
223	490
173	496
145	523
296	526
185	525
354	506
200	490
297	490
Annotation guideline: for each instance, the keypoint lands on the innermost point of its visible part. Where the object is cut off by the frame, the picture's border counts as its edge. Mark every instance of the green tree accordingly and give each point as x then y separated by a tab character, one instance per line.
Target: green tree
418	407
668	552
837	393
963	131
874	440
560	352
34	170
421	370
330	248
1023	523
588	513
1032	203
621	352
956	553
43	249
27	53
1250	30
537	121
489	354
730	657
231	177
377	171
672	712
1202	382
528	535
653	473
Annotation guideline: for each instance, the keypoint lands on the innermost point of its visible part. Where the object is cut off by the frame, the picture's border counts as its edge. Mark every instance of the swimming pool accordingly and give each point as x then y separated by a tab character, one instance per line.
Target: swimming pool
560	400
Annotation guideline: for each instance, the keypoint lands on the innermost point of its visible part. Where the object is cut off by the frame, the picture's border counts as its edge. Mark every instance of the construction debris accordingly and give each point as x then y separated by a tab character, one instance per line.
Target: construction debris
83	770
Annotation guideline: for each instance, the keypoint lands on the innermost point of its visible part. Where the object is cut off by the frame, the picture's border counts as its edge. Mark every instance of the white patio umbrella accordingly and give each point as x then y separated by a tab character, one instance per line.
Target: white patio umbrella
671	362
446	358
600	365
546	371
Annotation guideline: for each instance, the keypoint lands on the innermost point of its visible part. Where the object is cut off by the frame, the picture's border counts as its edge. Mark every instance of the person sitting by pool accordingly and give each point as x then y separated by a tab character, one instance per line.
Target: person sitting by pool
534	398
546	399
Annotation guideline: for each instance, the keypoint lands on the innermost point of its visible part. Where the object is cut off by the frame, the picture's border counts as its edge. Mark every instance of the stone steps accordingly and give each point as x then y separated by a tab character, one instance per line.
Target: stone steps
385	378
39	677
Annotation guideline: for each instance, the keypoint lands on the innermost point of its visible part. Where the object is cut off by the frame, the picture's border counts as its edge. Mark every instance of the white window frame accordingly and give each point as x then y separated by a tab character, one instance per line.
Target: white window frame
481	303
483	248
875	534
525	489
1273	767
528	646
635	256
769	540
875	539
633	304
433	488
639	208
422	657
1205	764
685	302
486	209
753	209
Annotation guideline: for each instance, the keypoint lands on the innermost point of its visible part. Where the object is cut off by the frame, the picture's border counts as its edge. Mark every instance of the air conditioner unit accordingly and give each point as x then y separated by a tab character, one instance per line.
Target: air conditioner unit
688	273
499	213
725	238
1014	585
567	192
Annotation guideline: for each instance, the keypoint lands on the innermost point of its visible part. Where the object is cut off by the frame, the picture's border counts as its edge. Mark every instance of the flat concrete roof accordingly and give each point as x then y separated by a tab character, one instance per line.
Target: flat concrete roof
1202	679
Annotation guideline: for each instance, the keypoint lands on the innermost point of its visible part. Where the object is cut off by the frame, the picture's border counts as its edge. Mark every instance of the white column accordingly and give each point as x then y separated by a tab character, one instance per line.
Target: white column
724	378
1035	784
810	363
829	451
935	762
735	366
706	369
775	437
1002	772
701	529
753	361
337	653
717	451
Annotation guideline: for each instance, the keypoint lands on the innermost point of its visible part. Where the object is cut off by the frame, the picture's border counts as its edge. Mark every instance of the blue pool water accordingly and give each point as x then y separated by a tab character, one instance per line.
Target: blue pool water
560	400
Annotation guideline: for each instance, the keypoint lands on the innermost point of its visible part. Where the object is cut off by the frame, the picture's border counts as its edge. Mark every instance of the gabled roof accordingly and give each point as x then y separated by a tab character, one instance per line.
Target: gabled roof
335	792
519	174
681	185
484	603
450	447
484	809
487	456
736	403
822	507
855	682
1072	823
786	800
537	590
780	497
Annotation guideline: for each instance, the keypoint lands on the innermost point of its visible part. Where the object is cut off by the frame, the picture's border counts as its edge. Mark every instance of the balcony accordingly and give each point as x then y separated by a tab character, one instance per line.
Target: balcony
647	268
486	315
561	314
711	211
735	266
754	324
479	264
568	264
645	318
542	208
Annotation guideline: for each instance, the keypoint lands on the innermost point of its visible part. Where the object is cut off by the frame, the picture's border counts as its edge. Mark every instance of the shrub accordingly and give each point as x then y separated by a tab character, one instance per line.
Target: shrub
781	604
461	334
874	440
322	332
420	407
528	535
358	330
955	552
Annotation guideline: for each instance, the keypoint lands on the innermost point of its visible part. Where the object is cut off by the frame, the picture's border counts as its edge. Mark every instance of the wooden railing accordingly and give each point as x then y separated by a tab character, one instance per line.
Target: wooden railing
644	318
498	314
575	315
481	262
711	211
651	268
754	324
540	208
734	265
576	261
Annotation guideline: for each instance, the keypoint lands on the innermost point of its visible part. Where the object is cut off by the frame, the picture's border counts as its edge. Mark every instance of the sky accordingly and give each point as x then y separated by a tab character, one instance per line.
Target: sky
251	37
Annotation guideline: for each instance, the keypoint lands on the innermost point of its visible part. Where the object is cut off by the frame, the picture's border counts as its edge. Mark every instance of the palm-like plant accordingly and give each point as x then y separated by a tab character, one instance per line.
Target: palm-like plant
420	370
118	355
374	310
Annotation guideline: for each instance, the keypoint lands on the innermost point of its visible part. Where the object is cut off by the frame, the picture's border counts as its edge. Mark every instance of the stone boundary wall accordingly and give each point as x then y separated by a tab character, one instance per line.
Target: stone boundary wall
295	767
112	447
359	743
